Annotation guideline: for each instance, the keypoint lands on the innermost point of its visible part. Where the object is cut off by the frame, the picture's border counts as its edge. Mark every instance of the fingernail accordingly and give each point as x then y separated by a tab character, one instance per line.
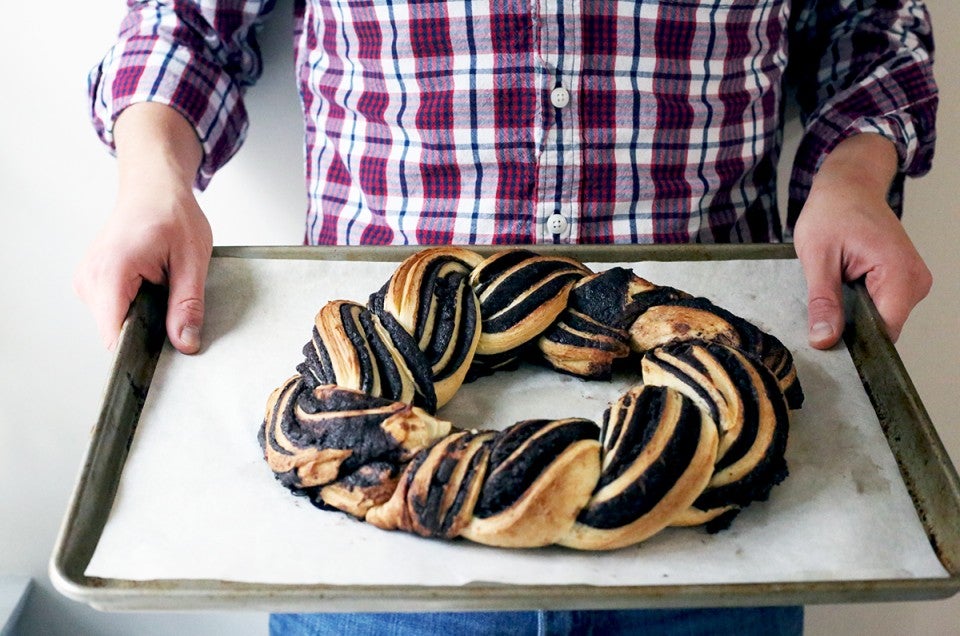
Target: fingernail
821	331
190	336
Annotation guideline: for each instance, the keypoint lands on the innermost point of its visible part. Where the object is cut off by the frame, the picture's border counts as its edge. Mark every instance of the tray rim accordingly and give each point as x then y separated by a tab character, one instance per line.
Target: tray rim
936	495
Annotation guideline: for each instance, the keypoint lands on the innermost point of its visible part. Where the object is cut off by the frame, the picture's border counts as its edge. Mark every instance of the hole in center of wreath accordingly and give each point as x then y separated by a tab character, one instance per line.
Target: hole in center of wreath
497	401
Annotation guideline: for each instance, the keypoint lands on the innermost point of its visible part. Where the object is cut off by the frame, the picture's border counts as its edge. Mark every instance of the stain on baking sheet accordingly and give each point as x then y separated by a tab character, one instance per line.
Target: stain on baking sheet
867	478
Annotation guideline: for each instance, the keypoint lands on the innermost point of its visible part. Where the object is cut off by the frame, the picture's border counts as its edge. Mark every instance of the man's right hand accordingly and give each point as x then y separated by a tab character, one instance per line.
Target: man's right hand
156	232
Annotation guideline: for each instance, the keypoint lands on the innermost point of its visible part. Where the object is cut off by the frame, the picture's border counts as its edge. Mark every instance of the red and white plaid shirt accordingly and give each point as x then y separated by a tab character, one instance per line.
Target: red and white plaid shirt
511	121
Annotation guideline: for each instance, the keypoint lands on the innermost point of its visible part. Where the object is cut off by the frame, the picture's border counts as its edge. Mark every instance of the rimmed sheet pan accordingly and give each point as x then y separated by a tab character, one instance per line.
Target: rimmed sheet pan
925	468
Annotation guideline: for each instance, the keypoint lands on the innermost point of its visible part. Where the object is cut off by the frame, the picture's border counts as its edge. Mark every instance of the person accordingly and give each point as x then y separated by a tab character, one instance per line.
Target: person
514	122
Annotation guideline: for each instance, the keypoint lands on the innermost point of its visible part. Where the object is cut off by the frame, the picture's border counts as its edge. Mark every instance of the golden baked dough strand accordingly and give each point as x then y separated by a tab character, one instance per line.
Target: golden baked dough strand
429	296
312	436
541	474
659	450
682	318
590	335
752	416
521	293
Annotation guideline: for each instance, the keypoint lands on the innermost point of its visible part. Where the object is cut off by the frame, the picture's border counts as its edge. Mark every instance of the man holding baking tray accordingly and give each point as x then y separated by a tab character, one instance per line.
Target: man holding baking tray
506	121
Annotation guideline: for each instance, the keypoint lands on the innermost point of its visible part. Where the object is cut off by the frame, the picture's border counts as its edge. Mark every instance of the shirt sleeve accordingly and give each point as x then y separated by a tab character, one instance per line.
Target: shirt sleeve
862	66
197	57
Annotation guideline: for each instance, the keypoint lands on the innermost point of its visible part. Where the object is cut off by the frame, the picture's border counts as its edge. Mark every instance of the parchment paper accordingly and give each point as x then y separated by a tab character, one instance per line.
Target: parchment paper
197	501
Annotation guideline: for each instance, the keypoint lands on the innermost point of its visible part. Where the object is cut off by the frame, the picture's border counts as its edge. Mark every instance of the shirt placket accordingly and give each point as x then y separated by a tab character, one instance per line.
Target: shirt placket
558	198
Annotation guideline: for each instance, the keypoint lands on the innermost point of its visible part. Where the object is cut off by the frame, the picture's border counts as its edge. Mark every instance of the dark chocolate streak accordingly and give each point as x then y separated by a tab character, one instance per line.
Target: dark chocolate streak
449	333
507	481
354	331
316	368
696	387
741	379
511	317
391	382
563	337
444	329
404	343
425	292
637	423
491	269
769	471
368	475
657	296
276	419
641	496
604	298
428	508
581	322
526	277
476	470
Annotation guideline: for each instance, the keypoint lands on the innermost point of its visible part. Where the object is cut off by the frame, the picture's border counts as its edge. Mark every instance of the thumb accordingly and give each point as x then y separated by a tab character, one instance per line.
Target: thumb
824	300
185	306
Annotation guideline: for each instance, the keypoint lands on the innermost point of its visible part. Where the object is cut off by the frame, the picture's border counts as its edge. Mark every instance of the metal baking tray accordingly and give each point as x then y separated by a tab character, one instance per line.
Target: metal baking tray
926	469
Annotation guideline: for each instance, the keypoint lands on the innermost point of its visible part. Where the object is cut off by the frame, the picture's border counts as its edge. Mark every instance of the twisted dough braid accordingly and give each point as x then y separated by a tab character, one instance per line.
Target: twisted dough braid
701	437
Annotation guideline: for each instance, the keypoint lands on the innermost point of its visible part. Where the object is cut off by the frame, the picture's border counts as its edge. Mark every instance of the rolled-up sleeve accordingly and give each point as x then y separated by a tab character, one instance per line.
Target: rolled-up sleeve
197	57
862	66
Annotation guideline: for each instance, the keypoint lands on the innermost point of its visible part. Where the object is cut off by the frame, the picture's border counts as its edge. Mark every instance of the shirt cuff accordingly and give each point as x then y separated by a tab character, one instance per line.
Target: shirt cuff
134	72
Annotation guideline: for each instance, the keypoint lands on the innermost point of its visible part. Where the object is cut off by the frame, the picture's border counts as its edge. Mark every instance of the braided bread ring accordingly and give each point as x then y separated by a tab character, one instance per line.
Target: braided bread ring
701	437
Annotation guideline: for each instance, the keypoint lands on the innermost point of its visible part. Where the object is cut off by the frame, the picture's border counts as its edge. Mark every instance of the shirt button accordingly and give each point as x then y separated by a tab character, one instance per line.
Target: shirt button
559	97
556	224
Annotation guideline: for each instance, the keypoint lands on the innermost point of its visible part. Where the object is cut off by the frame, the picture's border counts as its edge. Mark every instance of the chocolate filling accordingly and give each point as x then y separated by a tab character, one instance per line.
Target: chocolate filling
448	332
604	298
391	381
680	375
412	356
642	496
511	317
316	368
508	481
769	471
515	284
353	329
493	268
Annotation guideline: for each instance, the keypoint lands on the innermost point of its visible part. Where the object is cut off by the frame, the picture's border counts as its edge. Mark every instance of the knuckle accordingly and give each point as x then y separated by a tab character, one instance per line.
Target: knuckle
823	304
192	308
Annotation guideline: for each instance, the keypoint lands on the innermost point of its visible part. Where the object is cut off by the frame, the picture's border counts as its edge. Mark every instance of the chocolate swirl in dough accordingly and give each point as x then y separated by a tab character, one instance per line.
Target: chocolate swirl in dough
700	437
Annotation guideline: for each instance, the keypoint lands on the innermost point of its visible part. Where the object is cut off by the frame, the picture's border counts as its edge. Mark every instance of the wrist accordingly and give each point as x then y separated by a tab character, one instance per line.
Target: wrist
864	164
157	151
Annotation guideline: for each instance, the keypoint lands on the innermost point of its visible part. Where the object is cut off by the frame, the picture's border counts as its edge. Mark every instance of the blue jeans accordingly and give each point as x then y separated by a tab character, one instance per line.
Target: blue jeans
742	621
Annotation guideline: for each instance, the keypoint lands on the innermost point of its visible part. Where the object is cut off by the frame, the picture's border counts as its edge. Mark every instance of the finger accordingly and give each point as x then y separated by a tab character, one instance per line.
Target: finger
186	303
824	298
109	298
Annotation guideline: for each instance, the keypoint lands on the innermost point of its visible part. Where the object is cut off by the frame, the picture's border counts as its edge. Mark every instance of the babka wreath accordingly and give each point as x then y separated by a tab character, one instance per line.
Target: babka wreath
701	436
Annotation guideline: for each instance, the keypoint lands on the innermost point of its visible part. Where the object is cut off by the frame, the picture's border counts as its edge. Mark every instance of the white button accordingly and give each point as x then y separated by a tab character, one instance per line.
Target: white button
559	97
556	224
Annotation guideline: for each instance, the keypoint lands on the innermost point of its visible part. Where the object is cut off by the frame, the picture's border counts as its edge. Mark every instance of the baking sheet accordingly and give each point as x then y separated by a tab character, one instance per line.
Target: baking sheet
196	500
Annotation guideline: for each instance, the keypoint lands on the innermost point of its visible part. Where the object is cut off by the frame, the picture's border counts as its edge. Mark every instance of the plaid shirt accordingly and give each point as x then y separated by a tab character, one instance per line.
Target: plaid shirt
511	121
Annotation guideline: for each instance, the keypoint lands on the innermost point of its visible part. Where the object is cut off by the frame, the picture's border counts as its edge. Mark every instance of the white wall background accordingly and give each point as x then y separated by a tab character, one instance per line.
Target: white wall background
57	185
